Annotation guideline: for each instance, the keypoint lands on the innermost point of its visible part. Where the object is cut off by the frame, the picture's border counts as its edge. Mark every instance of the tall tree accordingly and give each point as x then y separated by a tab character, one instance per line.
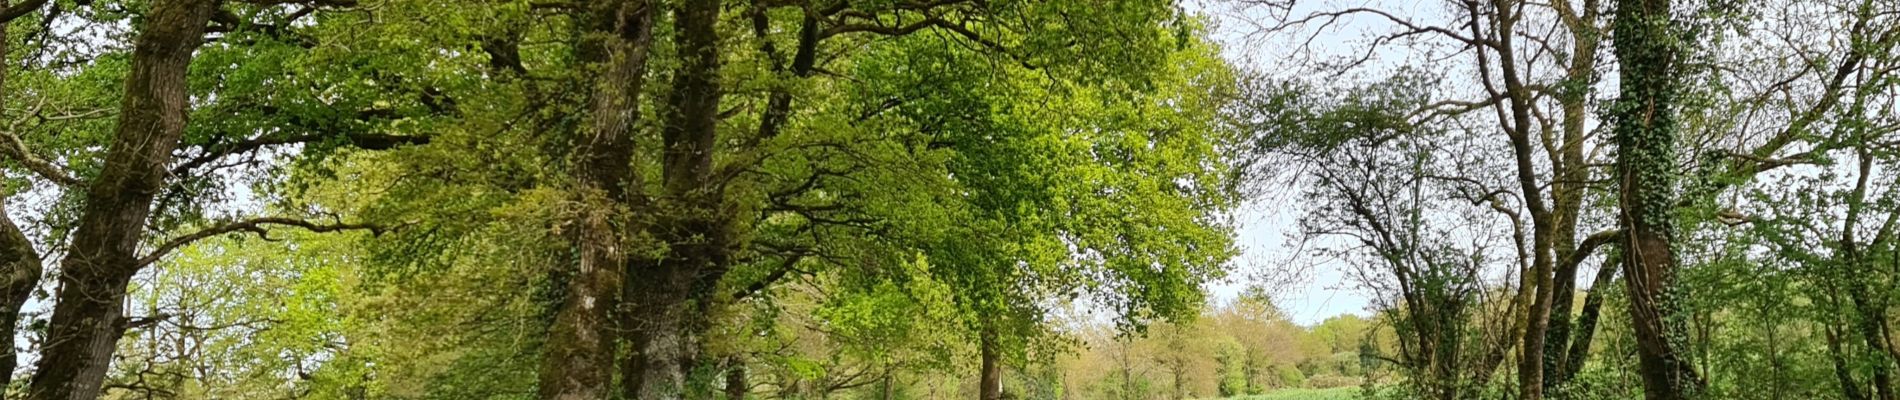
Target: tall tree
1650	48
612	54
694	226
87	320
116	212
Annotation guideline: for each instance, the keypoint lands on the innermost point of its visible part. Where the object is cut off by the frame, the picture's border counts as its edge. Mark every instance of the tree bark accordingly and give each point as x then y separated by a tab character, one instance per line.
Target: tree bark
20	263
694	226
1516	122
579	359
666	352
1649	47
1569	184
1843	372
1867	317
990	384
20	270
1869	313
102	258
1586	327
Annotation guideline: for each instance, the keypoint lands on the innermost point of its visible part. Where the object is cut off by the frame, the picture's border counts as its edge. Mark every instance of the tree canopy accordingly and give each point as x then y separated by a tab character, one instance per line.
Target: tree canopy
730	199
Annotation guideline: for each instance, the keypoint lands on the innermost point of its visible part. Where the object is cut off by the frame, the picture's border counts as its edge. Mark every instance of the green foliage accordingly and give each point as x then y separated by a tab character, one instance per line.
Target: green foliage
1341	393
983	180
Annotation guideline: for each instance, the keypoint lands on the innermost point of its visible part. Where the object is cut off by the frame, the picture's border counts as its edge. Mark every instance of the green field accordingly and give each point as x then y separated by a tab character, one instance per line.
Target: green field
1342	393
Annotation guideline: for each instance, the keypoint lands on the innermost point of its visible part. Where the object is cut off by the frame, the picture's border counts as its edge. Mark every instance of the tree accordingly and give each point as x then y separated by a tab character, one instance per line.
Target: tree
612	54
1649	46
87	320
118	202
1536	108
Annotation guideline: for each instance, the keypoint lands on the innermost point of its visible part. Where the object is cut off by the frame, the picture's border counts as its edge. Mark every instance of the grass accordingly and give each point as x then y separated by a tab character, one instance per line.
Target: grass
1342	393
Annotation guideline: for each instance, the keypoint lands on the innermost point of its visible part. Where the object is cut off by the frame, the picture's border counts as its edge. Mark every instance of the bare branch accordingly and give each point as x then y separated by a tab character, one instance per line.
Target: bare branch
1412	27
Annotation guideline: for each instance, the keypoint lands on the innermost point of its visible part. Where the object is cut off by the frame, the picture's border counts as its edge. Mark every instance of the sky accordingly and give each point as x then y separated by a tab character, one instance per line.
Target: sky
1308	290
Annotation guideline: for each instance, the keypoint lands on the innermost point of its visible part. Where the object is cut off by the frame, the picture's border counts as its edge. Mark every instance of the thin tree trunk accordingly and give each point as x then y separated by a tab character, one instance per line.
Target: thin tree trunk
1586	328
890	384
1869	315
579	359
1842	371
1518	120
1569	186
1866	322
102	258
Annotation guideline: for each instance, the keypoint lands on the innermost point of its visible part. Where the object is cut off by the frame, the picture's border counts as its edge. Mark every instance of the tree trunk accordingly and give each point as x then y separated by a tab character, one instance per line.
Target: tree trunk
1530	373
1843	372
666	351
20	270
1644	123
102	258
1586	328
990	384
1867	323
20	263
890	387
694	227
1572	172
579	359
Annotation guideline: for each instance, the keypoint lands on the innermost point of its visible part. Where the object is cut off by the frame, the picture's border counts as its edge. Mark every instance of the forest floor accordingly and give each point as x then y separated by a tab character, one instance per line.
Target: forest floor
1340	393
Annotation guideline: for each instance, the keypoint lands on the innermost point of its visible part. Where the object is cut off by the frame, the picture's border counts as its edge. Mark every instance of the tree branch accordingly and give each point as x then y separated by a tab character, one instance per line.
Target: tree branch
19	10
785	267
254	225
1589	246
366	141
14	147
331	3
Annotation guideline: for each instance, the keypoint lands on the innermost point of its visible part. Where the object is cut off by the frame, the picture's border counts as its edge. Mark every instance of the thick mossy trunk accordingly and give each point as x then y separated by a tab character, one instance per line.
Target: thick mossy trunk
667	349
579	359
102	258
694	227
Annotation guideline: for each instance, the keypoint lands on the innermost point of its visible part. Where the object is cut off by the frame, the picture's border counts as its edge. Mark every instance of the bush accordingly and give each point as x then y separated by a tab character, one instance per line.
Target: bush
1329	381
1288	377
